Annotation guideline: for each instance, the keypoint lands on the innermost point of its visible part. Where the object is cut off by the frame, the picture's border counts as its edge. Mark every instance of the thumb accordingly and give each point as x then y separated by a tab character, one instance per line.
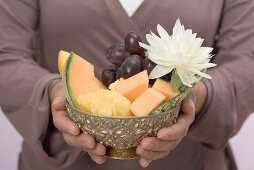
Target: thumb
59	103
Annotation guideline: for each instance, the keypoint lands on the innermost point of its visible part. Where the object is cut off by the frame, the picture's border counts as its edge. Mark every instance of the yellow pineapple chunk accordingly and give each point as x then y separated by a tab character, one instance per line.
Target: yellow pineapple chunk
105	103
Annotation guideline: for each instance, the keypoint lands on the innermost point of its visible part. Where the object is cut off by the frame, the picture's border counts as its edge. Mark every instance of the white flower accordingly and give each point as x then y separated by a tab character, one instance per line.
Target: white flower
181	51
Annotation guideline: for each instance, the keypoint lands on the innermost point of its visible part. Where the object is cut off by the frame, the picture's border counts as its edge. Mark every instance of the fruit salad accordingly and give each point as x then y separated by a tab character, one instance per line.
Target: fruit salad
141	76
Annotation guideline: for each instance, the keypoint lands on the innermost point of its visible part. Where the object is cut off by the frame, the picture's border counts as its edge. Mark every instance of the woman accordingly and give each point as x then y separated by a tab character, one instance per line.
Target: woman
33	31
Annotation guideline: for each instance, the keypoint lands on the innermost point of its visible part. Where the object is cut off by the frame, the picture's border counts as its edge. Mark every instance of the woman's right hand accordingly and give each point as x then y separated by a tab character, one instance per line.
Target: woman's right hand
70	130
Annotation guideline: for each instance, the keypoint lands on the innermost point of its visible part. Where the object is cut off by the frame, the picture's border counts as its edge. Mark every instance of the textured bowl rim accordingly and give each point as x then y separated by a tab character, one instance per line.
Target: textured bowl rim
121	117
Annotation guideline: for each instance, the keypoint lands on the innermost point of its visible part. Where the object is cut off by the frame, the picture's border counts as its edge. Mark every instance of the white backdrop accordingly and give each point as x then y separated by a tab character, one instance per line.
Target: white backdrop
10	144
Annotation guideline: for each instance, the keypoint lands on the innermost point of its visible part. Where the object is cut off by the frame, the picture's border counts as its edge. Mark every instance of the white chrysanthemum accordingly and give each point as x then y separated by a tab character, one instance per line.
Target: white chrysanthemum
181	51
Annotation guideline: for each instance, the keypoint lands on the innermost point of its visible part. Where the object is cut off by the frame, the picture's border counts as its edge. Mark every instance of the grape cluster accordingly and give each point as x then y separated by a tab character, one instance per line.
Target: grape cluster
128	59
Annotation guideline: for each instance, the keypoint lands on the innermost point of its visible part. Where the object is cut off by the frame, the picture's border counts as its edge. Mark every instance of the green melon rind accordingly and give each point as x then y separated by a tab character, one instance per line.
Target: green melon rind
67	87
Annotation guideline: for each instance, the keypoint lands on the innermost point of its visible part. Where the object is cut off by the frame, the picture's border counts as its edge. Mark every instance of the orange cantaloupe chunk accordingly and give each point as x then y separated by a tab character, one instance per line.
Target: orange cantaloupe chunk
79	78
146	102
133	86
165	88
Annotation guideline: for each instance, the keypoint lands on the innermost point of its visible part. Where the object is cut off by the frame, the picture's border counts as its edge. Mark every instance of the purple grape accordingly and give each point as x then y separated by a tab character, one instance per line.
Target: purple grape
119	73
116	54
148	65
108	76
131	66
132	44
167	77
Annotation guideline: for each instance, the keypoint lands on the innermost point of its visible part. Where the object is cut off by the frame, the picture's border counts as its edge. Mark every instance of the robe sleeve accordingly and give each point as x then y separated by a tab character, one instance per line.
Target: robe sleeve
230	97
25	86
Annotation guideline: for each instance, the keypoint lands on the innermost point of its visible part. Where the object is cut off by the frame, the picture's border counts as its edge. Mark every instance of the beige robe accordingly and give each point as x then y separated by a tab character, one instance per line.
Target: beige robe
33	31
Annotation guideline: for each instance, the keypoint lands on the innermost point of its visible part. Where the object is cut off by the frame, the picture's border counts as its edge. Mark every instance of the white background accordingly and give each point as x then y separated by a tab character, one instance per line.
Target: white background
10	144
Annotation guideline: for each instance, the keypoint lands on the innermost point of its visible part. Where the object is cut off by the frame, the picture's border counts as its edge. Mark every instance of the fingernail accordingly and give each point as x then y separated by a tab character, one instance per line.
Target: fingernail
191	104
138	150
90	145
73	132
57	100
146	164
150	145
165	137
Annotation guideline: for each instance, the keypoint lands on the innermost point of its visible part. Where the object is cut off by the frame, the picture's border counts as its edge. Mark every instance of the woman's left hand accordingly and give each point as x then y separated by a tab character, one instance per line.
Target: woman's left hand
152	148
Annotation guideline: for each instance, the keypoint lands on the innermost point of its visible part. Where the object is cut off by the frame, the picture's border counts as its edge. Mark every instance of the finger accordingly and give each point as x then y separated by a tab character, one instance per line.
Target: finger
97	159
149	155
192	95
59	103
144	162
184	120
165	154
64	124
156	144
82	141
57	91
176	131
99	150
188	107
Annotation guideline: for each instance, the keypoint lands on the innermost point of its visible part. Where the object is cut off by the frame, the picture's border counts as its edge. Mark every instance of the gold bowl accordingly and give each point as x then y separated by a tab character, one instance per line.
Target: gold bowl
121	135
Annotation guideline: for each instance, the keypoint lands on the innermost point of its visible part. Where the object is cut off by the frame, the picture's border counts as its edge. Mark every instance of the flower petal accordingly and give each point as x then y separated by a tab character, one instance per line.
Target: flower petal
200	73
160	61
160	71
153	41
178	30
184	76
204	66
145	46
162	32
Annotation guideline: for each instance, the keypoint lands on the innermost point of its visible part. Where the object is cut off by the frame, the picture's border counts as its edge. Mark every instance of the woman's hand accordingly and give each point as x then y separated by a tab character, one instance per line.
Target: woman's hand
70	130
152	148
